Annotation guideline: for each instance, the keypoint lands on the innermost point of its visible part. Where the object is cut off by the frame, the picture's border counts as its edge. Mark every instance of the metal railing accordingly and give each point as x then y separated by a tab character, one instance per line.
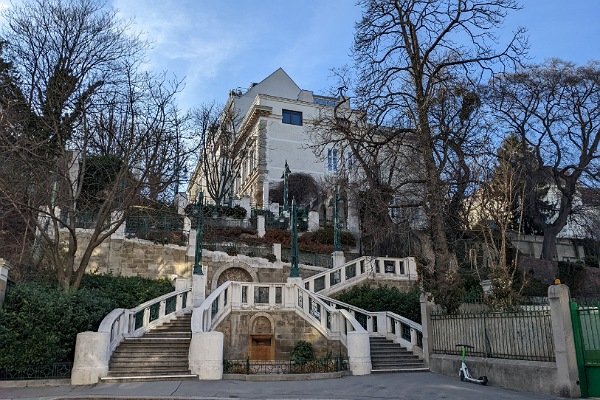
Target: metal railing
525	334
234	248
122	323
308	258
254	367
48	371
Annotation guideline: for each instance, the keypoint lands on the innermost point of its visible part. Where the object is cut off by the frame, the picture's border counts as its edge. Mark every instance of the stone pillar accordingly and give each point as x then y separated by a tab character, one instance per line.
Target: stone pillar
181	202
206	355
4	267
245	204
198	288
313	221
182	283
260	226
359	353
92	354
338	258
277	251
567	379
120	232
426	307
352	223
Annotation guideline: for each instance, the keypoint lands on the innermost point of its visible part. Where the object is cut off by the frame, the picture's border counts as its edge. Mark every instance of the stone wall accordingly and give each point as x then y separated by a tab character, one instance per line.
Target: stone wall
287	328
136	257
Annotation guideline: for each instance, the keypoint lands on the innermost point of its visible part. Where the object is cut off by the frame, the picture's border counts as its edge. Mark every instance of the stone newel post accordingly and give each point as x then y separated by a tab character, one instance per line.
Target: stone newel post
567	380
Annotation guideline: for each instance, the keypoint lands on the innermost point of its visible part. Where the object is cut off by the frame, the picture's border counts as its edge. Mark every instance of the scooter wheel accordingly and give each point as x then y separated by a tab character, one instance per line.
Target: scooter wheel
484	380
462	376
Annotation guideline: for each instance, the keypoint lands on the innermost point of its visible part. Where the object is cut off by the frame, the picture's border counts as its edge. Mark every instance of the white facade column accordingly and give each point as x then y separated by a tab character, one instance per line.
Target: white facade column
206	355
92	355
265	193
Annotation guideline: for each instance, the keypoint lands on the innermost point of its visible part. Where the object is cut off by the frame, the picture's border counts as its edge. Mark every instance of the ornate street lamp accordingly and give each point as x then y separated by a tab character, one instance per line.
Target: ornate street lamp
295	270
285	176
198	209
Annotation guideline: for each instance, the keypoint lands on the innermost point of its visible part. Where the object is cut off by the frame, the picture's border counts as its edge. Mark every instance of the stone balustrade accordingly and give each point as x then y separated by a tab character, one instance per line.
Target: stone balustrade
94	349
384	323
355	271
334	324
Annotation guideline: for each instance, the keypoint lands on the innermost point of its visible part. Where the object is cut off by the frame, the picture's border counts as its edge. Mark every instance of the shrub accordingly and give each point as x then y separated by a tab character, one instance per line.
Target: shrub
385	298
302	352
271	257
40	321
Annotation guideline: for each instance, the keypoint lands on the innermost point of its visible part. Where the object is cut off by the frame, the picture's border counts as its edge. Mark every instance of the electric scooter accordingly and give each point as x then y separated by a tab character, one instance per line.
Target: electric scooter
464	372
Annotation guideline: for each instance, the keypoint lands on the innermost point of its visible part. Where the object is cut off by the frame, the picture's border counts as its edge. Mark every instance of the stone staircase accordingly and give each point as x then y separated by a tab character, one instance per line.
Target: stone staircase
387	356
161	354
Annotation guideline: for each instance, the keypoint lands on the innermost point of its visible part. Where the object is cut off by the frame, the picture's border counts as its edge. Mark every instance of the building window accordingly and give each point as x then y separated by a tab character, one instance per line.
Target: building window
332	160
292	117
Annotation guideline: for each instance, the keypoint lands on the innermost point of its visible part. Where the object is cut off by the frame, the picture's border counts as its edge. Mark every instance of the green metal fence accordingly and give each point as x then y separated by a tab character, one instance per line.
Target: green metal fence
585	317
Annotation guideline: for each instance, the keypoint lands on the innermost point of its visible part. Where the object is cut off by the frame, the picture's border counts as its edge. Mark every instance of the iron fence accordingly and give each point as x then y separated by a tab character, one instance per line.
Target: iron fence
308	258
233	249
49	371
255	367
525	334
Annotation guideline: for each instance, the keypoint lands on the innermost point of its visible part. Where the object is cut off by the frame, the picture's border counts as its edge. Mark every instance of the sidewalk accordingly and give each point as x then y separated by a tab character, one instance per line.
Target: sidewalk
414	386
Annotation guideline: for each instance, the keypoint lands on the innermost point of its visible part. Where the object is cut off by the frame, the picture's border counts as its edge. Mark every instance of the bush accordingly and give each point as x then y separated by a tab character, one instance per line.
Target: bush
325	236
385	298
271	257
39	322
302	353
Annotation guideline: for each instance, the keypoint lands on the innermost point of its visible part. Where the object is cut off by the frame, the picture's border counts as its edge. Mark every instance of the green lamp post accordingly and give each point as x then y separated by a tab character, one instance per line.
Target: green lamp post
285	176
198	208
295	270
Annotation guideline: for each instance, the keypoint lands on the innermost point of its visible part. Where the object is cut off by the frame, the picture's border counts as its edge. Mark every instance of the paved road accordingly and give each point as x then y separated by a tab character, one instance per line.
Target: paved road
413	386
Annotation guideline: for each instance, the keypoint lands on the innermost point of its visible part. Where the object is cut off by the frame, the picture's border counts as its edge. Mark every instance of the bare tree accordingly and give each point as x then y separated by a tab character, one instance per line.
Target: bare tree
555	109
407	53
106	134
219	160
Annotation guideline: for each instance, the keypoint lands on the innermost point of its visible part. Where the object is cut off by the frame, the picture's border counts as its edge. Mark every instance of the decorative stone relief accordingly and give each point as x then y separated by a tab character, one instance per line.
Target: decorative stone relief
234	274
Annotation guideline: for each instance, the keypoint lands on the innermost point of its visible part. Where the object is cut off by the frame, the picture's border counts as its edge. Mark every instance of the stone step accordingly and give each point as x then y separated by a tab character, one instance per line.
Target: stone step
150	359
148	378
149	369
146	372
168	334
376	365
398	370
150	356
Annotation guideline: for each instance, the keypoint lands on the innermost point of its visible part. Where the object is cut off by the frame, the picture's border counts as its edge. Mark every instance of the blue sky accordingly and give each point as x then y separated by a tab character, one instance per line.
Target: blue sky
218	45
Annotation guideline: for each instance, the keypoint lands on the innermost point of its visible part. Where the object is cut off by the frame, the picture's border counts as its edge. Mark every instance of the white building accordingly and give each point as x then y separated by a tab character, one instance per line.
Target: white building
273	120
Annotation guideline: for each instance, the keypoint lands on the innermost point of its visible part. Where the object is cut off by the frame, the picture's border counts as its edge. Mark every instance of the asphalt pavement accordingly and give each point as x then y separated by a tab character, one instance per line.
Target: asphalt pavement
413	386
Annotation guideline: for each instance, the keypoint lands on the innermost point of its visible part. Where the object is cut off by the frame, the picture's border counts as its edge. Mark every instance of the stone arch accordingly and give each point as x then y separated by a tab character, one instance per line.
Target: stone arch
233	272
261	324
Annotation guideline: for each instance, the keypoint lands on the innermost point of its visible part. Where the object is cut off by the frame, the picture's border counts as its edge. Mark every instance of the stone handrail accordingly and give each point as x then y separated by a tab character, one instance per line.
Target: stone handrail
121	323
239	296
359	269
212	310
384	323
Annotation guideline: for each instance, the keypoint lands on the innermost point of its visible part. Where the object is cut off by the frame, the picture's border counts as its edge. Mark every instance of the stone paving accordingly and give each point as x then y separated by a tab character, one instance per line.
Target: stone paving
413	386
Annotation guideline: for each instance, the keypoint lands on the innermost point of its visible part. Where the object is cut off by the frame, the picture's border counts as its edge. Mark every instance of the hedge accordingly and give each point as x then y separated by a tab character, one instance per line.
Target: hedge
40	321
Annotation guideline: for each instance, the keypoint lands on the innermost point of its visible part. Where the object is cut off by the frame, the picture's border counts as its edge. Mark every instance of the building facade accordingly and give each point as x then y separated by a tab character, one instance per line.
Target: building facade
272	124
